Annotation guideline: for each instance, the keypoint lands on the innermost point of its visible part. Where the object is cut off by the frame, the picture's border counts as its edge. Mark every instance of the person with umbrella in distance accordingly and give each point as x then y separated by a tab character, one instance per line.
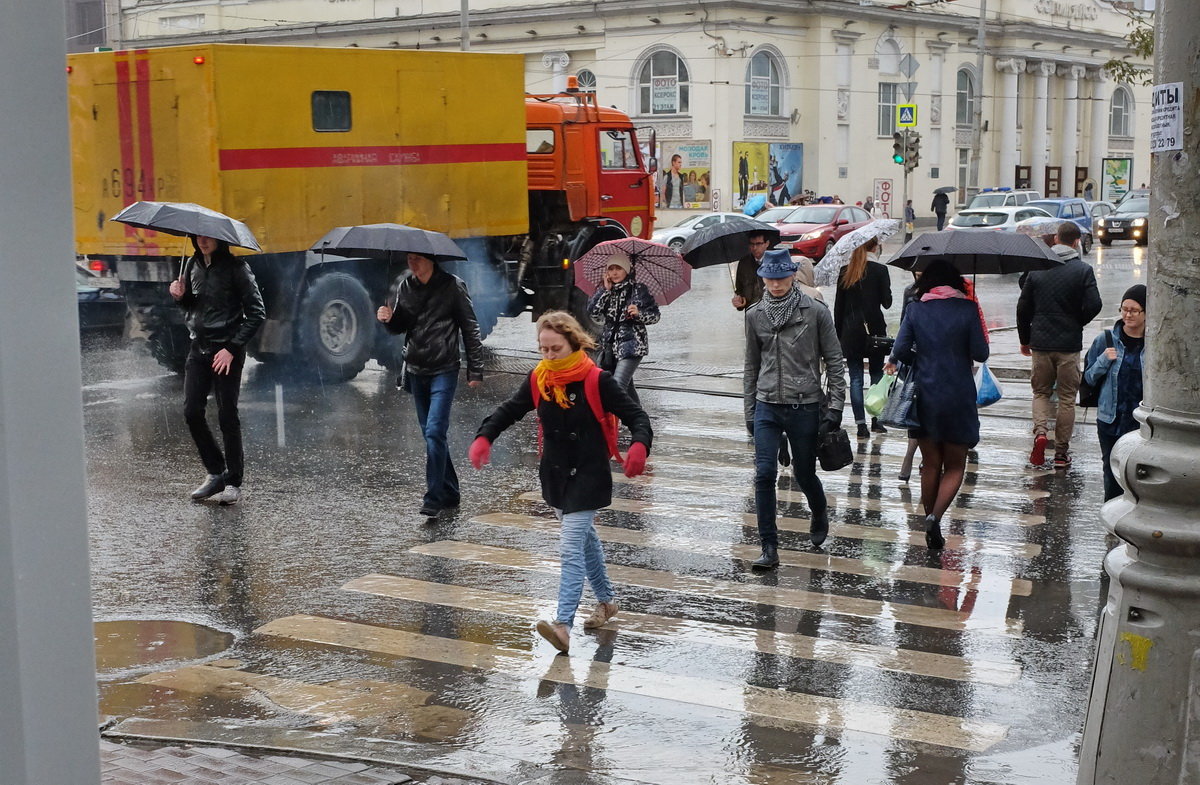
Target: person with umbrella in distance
624	307
573	400
940	335
224	309
864	290
432	307
941	203
788	335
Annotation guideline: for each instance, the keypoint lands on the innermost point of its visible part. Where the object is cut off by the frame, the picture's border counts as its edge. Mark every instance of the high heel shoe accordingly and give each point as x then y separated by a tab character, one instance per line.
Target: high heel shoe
933	534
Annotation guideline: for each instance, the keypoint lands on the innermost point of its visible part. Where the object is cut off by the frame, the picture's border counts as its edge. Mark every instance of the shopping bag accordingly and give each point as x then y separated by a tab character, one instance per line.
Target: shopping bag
900	411
987	389
877	395
834	451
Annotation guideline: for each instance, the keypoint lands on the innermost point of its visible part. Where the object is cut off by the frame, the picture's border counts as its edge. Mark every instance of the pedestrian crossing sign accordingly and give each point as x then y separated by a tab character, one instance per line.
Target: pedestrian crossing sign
906	115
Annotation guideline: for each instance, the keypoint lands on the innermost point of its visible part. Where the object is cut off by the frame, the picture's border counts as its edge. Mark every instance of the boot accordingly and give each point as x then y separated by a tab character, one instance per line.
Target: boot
818	528
876	426
933	534
768	560
863	431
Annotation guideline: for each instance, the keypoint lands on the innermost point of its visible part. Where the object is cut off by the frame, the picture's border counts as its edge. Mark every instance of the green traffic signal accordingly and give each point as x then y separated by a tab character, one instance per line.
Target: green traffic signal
898	152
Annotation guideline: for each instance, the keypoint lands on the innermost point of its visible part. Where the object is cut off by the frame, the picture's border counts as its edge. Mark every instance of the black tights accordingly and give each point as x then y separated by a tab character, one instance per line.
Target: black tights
942	467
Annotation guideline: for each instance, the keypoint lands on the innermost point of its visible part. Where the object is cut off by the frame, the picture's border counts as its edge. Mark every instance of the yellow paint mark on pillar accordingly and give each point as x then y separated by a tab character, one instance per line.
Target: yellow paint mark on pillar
1139	651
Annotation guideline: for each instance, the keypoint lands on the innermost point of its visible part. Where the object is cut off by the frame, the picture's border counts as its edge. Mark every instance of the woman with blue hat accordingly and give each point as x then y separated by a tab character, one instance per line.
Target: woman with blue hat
788	337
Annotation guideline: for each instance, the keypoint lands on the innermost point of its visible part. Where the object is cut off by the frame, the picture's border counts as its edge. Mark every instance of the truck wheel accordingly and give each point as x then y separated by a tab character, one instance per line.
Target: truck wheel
336	328
169	344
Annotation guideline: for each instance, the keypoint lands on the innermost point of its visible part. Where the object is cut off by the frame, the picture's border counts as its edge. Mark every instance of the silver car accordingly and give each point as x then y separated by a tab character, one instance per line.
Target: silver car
675	236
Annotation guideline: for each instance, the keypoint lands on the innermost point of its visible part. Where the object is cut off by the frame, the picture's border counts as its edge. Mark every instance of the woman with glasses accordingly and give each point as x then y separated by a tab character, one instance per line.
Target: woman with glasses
1114	365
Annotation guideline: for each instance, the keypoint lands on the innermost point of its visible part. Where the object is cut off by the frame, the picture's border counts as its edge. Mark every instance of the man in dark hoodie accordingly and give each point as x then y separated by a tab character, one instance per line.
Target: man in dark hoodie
224	310
1052	311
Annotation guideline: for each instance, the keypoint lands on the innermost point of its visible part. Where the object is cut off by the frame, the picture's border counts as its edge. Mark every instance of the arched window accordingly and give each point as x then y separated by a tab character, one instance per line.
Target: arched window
1120	113
764	85
586	79
964	98
663	84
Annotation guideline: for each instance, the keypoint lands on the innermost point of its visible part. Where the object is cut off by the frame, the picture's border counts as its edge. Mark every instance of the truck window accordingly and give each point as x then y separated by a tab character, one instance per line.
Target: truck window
331	110
539	141
617	149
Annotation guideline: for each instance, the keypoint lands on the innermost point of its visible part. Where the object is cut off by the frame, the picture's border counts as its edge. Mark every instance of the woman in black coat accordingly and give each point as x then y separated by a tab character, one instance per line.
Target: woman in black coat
574	469
864	290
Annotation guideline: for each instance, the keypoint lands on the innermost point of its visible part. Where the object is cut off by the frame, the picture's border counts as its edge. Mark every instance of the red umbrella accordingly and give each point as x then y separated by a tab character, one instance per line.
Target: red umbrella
661	269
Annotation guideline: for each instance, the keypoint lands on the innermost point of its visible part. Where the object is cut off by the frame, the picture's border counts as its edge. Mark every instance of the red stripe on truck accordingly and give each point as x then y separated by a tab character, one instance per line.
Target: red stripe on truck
125	138
399	155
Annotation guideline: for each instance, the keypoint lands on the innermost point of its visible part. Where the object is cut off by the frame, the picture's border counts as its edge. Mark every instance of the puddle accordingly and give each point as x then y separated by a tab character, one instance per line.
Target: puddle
138	643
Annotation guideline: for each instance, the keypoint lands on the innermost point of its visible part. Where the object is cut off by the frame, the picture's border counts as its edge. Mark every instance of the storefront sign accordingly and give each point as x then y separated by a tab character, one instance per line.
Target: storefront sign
760	95
664	94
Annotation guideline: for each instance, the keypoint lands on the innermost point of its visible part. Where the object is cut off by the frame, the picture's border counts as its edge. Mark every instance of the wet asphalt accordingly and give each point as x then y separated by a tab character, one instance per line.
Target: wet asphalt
324	612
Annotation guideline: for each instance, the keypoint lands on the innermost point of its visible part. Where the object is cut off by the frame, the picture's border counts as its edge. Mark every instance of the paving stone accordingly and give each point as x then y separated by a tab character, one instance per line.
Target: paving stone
346	765
282	779
217	752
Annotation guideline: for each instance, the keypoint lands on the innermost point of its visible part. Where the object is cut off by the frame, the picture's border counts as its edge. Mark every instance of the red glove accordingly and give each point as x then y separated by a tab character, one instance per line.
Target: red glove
635	460
480	452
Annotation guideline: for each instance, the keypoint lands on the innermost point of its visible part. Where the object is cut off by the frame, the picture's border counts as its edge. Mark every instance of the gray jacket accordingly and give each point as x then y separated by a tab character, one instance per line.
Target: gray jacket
784	366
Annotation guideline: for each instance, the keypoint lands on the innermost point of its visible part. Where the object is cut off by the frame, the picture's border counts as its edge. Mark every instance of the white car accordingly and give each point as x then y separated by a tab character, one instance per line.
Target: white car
675	236
1001	219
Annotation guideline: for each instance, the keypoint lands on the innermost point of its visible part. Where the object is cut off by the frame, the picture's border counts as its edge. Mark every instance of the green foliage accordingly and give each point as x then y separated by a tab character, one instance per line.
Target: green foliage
1141	45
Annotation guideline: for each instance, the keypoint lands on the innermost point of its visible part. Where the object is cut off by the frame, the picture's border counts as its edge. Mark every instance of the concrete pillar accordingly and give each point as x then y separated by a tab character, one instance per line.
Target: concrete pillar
1037	143
1009	68
48	729
556	63
1143	720
934	154
844	41
1069	133
1098	132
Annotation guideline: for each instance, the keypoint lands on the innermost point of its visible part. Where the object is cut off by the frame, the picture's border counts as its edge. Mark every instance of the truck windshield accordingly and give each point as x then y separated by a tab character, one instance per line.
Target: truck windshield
618	149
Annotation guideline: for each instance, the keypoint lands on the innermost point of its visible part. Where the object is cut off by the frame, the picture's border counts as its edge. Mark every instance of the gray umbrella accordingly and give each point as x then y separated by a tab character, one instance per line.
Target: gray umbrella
184	218
978	251
382	241
725	242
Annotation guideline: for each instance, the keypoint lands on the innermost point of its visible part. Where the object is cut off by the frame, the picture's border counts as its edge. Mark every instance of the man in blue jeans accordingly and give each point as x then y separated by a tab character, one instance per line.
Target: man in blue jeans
433	308
788	337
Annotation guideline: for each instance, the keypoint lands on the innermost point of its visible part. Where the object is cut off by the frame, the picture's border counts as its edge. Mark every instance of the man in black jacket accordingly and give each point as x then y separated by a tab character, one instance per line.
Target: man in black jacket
433	308
941	203
223	311
1052	311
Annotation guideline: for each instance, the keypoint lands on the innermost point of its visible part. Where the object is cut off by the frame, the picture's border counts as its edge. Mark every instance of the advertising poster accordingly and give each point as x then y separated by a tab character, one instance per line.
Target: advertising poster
785	164
750	171
1115	181
685	179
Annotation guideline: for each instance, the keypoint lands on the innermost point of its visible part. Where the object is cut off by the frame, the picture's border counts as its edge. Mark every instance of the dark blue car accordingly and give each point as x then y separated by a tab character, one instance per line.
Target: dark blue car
1072	210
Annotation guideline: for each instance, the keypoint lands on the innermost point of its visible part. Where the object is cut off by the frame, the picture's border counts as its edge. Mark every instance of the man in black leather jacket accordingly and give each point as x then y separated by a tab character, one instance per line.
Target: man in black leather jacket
433	308
224	309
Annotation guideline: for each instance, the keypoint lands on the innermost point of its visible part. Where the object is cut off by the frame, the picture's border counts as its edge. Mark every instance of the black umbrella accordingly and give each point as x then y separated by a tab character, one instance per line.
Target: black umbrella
725	242
382	241
184	218
981	251
946	189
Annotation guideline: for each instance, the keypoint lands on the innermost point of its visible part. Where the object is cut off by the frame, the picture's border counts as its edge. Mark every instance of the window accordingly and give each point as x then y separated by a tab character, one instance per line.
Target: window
964	98
586	80
617	150
663	85
764	87
539	141
1120	114
887	108
330	110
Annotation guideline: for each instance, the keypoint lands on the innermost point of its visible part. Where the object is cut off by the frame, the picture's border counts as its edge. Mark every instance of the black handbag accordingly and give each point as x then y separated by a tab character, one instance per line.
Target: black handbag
900	411
1089	394
833	450
880	344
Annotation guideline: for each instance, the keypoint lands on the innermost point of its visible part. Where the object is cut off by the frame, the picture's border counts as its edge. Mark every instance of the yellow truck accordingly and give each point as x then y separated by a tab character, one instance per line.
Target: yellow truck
296	140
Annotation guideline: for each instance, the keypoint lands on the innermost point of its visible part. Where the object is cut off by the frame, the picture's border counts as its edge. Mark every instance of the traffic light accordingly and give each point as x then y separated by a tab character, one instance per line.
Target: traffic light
912	158
898	151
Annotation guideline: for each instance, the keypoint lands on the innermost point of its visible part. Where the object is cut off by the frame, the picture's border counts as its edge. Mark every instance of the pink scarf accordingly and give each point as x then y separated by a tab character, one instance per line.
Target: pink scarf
949	293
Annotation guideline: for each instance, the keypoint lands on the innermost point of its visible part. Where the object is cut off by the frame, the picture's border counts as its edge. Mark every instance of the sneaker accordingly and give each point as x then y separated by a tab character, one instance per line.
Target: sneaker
1037	456
863	431
1062	459
601	615
556	634
212	485
231	495
877	426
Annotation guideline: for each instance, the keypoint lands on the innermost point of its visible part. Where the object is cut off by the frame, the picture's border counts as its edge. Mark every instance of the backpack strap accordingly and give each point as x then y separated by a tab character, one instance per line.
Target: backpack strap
591	392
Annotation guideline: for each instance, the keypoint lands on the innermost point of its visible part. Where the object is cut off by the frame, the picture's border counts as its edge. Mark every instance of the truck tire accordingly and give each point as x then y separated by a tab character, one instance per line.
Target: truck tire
169	344
336	328
578	309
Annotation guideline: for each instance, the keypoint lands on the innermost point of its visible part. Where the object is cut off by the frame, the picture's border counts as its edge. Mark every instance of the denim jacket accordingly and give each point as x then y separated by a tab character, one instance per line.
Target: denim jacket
1099	370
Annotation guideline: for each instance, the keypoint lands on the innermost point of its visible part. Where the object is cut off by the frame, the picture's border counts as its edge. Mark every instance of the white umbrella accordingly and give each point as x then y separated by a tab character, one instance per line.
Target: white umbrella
839	255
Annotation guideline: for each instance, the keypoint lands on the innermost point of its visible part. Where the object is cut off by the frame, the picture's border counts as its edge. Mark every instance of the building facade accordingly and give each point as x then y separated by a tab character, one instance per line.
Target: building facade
773	97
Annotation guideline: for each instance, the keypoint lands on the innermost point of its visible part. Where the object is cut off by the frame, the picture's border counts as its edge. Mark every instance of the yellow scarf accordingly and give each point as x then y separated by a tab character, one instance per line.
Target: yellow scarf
553	376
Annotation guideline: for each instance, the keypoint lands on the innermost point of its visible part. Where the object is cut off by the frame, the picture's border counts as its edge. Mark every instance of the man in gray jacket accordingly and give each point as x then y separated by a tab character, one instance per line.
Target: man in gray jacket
788	335
1052	311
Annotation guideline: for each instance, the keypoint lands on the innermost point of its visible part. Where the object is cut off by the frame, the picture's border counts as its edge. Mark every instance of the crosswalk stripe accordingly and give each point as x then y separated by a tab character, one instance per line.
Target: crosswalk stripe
696	585
887	570
790	644
954	542
762	705
993	514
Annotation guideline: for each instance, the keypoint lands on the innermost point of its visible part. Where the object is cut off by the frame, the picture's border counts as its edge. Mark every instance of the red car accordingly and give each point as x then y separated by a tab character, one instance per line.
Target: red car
812	230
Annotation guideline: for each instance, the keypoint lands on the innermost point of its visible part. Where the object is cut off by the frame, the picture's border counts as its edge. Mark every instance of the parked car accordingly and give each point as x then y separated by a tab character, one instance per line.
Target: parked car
812	230
773	214
675	236
100	307
1130	221
1002	197
1100	209
1001	219
1133	193
1070	209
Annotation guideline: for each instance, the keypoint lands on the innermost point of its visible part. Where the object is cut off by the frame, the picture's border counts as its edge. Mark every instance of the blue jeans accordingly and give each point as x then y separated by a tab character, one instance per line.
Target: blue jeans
855	366
1109	433
433	396
581	555
799	422
623	375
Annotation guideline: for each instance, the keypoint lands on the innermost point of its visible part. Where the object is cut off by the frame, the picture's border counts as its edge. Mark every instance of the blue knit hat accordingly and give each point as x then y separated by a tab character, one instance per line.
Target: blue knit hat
777	264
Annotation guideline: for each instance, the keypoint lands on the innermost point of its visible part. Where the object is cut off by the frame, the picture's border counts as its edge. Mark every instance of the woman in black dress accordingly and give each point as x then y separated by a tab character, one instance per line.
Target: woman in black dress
940	336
